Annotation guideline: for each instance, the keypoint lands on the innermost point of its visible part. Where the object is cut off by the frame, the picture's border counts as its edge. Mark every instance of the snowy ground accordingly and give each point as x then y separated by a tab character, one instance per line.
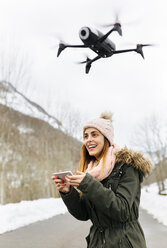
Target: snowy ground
155	204
16	215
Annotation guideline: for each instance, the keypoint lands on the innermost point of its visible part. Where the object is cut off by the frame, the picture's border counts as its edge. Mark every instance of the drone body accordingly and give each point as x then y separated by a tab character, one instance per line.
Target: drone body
100	44
91	38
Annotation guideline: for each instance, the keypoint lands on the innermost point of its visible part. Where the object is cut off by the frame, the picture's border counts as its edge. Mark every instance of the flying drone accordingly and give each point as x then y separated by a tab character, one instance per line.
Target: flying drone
100	44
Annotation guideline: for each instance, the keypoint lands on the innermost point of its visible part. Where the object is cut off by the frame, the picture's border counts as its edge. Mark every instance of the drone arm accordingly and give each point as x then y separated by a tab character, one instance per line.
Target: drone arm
106	35
117	27
138	50
96	58
124	51
63	46
76	46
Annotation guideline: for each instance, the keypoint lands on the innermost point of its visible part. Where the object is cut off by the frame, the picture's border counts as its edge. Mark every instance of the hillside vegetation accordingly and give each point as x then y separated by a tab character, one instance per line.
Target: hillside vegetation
30	151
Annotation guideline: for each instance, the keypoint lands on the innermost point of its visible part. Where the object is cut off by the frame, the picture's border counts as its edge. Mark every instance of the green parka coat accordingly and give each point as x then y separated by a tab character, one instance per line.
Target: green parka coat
113	204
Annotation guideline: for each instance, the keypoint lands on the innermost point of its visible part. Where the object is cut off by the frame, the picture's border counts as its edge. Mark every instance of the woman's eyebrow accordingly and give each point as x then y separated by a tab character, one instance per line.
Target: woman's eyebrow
94	132
90	132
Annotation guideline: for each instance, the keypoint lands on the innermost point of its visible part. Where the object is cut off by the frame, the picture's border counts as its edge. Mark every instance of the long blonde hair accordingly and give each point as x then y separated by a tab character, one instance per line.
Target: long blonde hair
86	158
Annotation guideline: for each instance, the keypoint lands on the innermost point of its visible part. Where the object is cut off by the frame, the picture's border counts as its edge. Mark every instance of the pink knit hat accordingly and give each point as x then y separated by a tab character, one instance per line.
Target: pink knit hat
104	125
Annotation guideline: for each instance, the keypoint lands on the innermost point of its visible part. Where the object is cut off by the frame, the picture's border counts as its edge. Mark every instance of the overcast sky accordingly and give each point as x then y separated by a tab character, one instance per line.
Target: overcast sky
127	85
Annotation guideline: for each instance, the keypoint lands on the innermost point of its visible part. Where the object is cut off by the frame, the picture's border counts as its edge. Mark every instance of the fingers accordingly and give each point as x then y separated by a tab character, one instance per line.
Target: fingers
74	183
78	175
56	180
74	177
60	185
63	187
75	180
79	172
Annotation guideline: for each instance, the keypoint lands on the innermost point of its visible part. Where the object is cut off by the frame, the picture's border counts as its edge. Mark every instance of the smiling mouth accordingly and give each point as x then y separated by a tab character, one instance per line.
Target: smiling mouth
91	147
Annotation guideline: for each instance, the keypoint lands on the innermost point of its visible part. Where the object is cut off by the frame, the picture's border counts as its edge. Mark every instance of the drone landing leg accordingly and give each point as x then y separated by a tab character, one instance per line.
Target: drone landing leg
89	63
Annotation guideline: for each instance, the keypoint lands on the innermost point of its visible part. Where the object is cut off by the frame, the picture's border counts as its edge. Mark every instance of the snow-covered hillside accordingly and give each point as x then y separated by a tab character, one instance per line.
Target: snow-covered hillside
14	99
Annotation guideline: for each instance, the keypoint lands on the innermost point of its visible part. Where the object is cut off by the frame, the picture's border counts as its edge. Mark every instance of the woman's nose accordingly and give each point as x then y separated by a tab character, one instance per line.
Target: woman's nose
89	138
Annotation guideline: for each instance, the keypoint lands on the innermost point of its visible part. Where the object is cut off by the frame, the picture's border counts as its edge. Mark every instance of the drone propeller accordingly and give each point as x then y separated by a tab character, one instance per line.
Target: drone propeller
85	61
139	48
143	45
117	19
57	39
62	46
116	24
59	43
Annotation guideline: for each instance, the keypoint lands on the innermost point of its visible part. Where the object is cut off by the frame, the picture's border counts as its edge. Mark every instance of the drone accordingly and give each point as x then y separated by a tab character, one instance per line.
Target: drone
100	44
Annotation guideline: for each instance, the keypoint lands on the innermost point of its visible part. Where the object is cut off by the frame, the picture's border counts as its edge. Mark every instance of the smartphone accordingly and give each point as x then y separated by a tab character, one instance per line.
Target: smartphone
61	175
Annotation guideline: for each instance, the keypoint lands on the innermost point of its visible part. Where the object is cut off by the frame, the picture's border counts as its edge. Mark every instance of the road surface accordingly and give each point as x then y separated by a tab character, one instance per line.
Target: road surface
63	231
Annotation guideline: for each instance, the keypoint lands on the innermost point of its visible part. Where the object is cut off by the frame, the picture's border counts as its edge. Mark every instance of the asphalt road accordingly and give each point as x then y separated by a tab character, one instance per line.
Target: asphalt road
63	231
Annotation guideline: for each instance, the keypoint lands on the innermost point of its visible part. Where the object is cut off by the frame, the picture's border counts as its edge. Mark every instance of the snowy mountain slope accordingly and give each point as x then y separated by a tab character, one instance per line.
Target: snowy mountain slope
14	99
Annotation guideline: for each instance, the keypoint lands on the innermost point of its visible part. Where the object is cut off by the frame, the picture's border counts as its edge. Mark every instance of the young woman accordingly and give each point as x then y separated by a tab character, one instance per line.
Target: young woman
108	188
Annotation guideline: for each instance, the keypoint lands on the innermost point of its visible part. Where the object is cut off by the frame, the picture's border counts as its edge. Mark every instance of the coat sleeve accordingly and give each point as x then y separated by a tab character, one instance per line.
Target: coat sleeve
75	204
116	205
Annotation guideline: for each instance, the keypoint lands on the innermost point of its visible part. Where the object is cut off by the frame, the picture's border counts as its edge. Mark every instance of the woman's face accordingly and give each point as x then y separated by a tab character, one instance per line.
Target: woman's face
93	141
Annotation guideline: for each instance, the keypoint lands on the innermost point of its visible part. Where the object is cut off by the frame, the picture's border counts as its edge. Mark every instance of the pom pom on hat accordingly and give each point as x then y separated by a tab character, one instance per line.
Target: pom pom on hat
107	116
104	125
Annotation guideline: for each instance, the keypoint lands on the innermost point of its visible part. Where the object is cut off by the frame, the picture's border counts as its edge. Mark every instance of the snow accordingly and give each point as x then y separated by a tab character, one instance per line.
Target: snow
9	96
23	129
15	215
154	204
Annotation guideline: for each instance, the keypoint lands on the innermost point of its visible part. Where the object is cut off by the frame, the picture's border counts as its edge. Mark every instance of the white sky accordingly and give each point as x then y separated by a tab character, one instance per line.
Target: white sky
127	85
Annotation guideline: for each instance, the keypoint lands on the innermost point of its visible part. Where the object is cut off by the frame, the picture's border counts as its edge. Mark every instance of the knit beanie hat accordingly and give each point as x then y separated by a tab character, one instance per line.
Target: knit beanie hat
104	125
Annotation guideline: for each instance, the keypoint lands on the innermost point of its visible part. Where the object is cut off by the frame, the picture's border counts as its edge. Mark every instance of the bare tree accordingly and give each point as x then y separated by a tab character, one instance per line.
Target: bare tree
151	138
71	119
15	65
14	68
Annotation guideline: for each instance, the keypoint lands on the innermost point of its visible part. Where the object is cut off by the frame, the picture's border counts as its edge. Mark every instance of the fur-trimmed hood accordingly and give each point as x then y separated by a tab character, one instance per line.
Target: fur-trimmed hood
135	159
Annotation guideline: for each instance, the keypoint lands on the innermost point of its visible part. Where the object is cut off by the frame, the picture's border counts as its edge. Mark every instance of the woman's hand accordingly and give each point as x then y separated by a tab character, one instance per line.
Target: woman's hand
75	180
61	186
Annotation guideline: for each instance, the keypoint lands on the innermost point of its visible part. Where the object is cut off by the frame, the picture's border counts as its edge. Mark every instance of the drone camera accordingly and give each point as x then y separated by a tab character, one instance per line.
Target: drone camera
84	33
